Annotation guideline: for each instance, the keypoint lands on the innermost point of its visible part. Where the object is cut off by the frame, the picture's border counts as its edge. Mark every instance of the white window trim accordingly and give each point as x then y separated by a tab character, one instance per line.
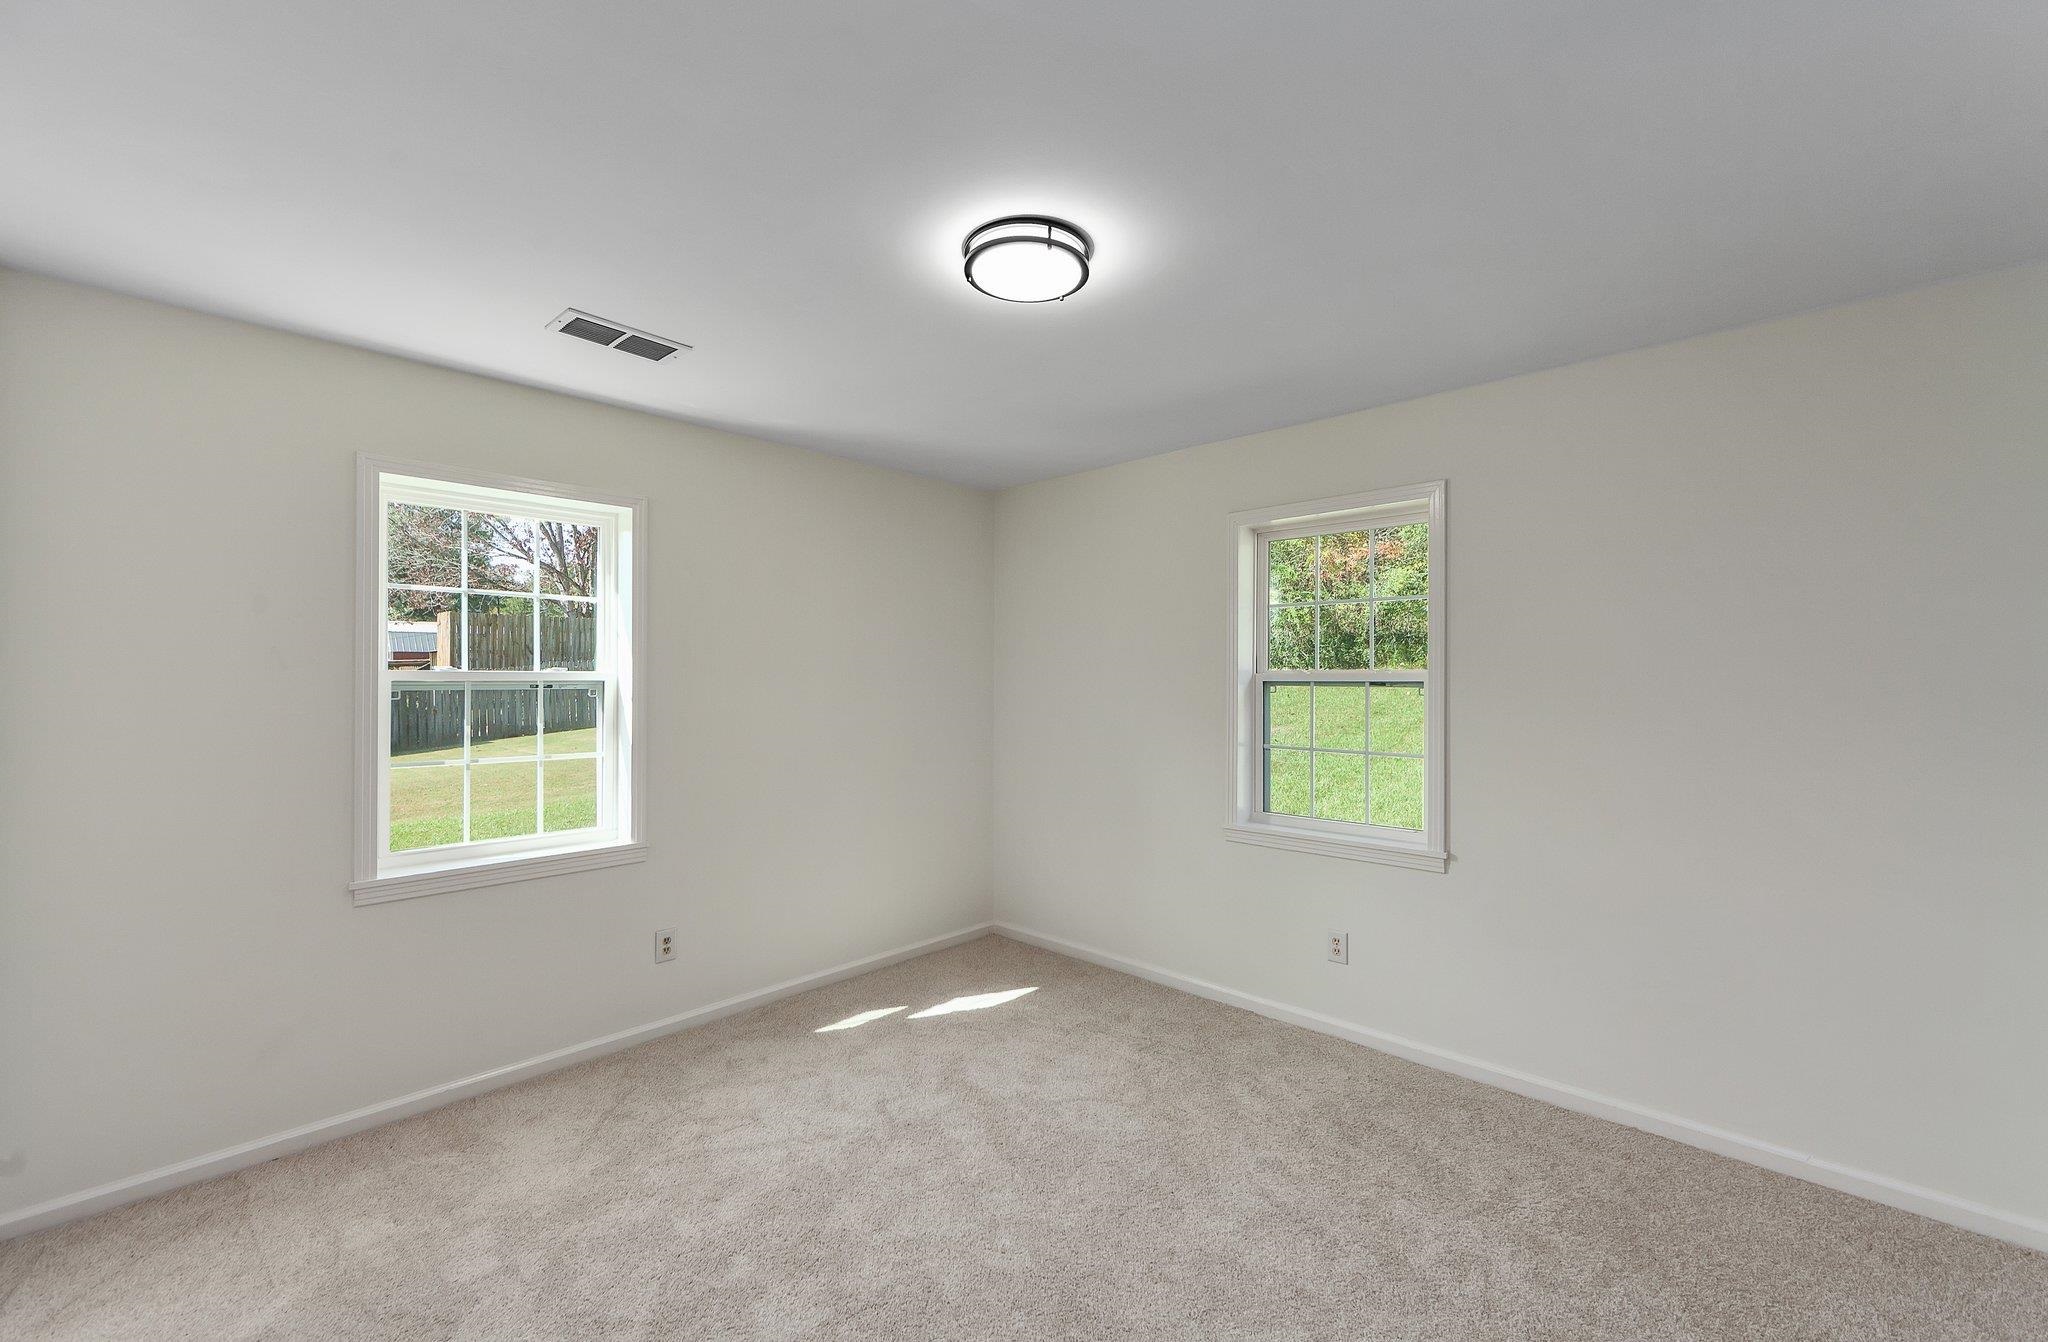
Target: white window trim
376	881
1245	821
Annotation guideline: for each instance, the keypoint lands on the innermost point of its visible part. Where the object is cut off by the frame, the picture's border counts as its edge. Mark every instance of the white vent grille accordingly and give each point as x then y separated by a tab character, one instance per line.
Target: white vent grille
615	335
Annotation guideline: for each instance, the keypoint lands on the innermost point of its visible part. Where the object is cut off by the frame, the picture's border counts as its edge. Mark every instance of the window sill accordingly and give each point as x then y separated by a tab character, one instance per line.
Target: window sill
1357	850
494	871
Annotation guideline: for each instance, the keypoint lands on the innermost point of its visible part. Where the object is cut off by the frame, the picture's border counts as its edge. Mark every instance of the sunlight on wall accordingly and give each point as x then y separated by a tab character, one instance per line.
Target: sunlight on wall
977	1002
860	1018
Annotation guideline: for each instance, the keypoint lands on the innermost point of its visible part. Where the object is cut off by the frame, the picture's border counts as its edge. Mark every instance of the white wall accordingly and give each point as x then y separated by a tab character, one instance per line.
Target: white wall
180	965
1748	732
1742	815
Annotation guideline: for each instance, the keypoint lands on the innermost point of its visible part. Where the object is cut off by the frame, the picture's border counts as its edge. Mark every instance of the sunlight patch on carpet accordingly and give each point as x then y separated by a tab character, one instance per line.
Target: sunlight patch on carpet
975	1002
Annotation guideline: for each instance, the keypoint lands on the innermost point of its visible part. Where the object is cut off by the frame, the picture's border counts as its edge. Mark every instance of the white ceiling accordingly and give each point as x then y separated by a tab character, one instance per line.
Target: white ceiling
1300	209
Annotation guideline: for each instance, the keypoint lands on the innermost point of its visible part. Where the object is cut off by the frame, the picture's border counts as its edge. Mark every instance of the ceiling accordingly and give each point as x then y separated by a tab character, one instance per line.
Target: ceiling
1299	209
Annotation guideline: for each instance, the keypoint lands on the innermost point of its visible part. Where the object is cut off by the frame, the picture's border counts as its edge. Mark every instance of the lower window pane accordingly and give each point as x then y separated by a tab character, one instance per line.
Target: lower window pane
426	724
569	791
1287	715
1396	792
1340	717
1340	787
501	800
1287	782
426	806
572	719
1397	719
504	721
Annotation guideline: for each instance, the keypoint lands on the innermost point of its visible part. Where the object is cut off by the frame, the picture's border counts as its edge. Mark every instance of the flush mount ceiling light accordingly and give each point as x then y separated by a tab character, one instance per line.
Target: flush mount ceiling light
1027	258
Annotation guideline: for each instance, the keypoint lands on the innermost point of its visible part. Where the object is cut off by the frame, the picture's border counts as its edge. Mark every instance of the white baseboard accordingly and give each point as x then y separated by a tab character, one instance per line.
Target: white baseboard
2009	1226
132	1189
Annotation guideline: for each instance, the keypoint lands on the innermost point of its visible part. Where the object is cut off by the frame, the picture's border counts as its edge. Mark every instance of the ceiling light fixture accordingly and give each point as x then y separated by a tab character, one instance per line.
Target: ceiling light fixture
1027	258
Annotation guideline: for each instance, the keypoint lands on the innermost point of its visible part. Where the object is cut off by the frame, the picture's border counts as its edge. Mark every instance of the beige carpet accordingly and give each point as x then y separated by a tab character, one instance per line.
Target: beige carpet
1098	1158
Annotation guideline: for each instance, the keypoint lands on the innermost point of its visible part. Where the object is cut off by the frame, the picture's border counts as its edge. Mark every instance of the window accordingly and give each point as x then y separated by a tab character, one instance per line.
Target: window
1337	683
496	674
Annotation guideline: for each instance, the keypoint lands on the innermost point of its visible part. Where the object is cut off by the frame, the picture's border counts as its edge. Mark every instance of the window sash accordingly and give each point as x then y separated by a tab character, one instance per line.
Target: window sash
1264	746
611	601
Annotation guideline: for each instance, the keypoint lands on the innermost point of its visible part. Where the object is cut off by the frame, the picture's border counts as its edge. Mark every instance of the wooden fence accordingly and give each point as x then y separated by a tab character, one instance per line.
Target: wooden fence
429	717
503	640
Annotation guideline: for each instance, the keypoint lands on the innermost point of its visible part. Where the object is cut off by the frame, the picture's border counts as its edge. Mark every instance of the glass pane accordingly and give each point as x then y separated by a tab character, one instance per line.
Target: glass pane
500	633
501	800
1291	570
423	545
500	553
1396	792
1345	574
1397	719
1401	633
1401	560
569	792
571	719
1291	637
420	629
1287	715
1340	787
426	725
1346	637
568	635
426	806
567	556
504	721
1287	782
1340	717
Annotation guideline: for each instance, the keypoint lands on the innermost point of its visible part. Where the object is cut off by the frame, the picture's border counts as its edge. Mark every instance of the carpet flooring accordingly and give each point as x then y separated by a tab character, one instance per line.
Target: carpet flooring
1098	1157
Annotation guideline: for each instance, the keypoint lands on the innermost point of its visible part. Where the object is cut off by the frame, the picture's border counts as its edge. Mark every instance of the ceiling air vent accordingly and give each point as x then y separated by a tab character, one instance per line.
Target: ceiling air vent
617	335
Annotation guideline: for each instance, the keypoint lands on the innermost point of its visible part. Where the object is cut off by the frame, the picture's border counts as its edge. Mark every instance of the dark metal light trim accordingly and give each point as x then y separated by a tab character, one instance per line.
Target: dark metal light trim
1077	244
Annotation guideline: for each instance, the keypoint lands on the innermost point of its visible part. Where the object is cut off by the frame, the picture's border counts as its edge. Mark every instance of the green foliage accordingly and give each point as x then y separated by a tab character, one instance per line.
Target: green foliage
1337	600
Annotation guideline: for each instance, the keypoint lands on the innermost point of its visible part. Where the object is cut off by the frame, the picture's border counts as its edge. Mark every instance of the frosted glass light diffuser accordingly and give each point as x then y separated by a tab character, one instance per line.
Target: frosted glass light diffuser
1027	258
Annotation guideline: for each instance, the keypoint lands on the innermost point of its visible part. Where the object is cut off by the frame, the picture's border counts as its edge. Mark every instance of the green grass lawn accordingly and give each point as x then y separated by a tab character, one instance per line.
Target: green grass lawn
504	780
1380	723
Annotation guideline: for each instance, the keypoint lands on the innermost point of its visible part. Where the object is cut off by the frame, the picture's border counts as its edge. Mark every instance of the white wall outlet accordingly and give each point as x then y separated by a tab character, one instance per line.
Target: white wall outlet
665	944
1340	948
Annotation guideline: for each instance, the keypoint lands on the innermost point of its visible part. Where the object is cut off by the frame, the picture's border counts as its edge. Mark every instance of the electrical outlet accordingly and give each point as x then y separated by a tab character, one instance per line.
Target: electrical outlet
1340	948
665	944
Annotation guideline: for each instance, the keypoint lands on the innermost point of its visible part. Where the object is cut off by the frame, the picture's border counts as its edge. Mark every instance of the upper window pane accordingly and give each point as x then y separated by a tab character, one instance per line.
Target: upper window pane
1347	565
422	629
1401	561
1291	637
1291	570
1401	634
568	635
566	555
500	553
423	546
499	632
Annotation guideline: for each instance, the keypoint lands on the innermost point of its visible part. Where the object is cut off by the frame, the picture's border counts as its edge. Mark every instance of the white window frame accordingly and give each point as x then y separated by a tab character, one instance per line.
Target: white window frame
1247	821
381	876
